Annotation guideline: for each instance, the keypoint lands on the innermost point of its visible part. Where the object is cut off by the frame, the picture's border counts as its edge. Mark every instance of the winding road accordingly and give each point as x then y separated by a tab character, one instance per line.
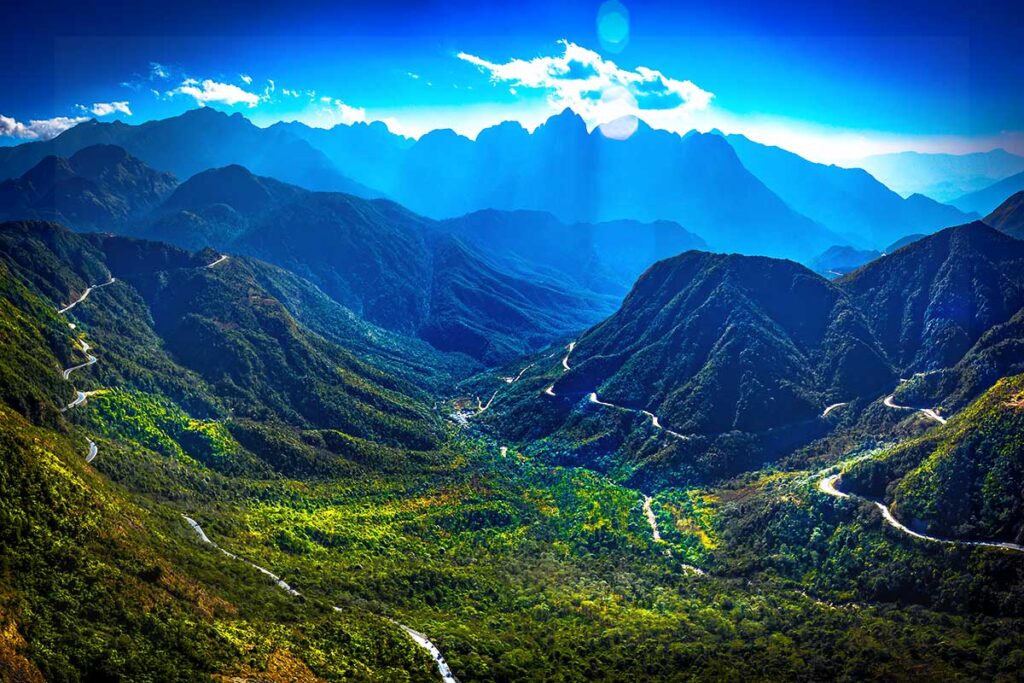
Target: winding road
82	396
890	403
281	583
513	380
84	346
565	361
829	486
832	407
442	666
655	422
481	407
651	519
85	294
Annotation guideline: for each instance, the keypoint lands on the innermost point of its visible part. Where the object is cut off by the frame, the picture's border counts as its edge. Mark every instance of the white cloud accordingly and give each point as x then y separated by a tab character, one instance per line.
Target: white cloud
38	129
157	70
413	76
107	108
327	112
211	91
596	88
246	79
268	90
349	114
336	112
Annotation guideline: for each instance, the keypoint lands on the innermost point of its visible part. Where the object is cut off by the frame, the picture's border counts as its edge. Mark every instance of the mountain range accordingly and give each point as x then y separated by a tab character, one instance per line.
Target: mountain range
944	177
378	259
192	142
848	201
737	355
930	301
736	194
373	257
715	343
988	199
262	452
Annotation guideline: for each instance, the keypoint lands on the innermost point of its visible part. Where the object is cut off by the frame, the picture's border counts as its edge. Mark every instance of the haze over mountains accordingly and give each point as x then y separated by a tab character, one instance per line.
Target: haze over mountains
192	142
988	199
372	257
96	188
378	259
848	201
735	194
944	177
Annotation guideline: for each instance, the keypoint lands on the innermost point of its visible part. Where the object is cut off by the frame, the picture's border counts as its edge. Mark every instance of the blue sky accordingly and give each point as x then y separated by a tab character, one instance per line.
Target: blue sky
832	81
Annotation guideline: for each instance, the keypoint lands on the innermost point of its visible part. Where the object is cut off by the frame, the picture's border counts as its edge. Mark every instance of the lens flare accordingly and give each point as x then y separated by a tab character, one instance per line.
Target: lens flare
613	26
618	109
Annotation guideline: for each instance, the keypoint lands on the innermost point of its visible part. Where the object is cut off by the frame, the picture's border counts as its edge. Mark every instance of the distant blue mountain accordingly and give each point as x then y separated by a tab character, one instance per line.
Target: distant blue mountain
944	177
603	257
839	260
848	201
392	267
192	142
97	188
697	181
987	200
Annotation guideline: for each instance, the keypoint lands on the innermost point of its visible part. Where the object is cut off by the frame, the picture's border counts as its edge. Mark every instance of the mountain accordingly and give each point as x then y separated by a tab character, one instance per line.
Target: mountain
999	352
713	343
930	301
192	142
93	497
839	260
236	348
369	147
215	206
1008	217
848	201
986	200
963	480
97	188
580	176
604	257
943	177
902	242
390	266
